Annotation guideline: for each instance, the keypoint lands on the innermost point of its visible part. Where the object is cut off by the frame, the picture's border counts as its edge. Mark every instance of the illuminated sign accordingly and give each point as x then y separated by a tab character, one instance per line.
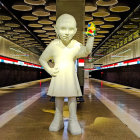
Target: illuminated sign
17	62
119	64
81	62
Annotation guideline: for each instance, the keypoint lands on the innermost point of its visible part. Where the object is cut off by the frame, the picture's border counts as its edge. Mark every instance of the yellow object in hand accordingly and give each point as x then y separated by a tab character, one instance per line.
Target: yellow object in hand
91	30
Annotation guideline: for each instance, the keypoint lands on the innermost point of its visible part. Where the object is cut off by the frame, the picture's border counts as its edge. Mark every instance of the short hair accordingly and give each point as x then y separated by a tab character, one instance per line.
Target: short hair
65	16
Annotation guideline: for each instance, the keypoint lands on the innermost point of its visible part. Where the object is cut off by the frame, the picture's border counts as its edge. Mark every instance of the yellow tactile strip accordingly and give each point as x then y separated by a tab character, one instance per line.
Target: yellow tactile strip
126	89
12	88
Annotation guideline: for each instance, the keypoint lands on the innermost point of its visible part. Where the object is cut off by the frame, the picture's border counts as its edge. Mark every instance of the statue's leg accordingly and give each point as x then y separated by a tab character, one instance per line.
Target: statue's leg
57	122
73	126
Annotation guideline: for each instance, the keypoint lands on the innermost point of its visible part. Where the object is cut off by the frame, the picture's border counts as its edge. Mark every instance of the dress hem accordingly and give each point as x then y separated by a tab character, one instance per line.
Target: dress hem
64	96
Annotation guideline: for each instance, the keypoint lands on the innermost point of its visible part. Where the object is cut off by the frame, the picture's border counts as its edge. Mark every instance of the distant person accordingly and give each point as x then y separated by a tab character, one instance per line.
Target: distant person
64	83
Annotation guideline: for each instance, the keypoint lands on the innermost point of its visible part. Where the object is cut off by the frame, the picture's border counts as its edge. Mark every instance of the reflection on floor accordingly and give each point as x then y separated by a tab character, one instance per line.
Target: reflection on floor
121	100
96	120
19	98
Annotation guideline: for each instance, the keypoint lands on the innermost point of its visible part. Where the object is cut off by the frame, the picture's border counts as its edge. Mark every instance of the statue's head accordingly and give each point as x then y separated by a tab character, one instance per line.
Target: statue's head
66	27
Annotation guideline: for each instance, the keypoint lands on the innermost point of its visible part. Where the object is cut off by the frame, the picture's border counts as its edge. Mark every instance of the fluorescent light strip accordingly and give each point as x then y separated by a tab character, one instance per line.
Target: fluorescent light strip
81	64
17	50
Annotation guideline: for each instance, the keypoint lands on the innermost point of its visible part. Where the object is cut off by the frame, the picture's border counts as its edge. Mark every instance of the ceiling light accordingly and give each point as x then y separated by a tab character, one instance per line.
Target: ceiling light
103	32
5	17
51	33
29	38
112	18
49	28
2	31
12	24
5	28
47	42
106	2
107	43
90	6
45	21
1	22
40	12
136	18
45	39
52	17
133	30
130	26
34	25
35	2
52	37
17	36
98	21
97	39
21	6
51	7
119	8
101	12
12	33
29	17
99	36
43	35
13	38
96	42
107	26
122	32
39	31
88	17
19	30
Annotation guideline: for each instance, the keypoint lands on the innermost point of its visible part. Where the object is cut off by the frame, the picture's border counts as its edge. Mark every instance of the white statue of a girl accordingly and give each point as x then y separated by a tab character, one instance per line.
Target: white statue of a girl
64	83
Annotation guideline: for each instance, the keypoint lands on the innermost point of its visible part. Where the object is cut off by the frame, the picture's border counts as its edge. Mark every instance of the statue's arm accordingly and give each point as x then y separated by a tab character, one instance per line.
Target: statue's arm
86	50
45	57
89	44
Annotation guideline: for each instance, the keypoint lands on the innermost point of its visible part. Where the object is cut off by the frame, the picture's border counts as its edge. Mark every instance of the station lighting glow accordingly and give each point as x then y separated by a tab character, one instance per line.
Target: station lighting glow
81	62
124	63
17	50
17	62
118	55
119	64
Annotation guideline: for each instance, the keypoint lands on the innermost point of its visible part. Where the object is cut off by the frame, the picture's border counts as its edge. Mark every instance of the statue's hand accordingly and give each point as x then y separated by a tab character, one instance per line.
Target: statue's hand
91	29
54	71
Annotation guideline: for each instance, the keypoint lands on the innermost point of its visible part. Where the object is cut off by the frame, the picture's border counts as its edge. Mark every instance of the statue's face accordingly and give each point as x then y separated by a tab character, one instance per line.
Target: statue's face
66	29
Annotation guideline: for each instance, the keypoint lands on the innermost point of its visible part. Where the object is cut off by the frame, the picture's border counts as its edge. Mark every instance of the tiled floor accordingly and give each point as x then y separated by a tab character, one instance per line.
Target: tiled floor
128	102
19	95
97	121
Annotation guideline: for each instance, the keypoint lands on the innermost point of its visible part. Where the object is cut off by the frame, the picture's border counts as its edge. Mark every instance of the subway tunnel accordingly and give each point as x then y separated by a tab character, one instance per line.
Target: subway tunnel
109	77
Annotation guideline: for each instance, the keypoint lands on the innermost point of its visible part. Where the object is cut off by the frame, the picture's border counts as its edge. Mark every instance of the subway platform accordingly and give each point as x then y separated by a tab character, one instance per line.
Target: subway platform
110	112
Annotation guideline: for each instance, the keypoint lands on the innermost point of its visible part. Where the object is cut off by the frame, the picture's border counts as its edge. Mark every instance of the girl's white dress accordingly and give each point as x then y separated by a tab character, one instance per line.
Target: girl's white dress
65	84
